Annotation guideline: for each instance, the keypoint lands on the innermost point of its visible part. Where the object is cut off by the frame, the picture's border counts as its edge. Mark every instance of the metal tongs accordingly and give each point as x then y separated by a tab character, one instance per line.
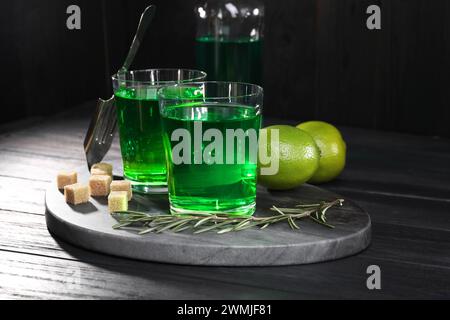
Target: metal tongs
103	124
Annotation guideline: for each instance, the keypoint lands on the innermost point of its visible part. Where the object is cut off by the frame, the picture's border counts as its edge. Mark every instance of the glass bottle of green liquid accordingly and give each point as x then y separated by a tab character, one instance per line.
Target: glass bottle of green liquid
229	41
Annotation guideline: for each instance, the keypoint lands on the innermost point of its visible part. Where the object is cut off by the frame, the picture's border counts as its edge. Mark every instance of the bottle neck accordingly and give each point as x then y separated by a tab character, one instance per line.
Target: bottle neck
228	21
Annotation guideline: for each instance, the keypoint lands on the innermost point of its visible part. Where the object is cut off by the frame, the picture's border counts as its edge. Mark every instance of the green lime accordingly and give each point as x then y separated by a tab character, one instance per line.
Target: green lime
297	154
332	149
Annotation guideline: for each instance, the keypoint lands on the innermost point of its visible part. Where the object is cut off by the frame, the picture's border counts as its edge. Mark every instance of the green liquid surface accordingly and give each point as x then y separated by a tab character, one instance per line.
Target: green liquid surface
237	60
211	188
141	141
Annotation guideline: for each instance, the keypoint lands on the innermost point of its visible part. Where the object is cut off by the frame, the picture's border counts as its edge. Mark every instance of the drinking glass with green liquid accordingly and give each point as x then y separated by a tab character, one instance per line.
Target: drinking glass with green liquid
210	134
139	122
238	59
229	40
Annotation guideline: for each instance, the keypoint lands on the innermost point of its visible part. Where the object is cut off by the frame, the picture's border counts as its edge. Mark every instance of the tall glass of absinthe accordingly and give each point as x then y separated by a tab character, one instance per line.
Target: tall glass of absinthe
211	144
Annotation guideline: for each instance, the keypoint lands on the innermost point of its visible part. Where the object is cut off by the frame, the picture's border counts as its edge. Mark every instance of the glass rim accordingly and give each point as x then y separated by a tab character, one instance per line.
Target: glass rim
259	90
201	75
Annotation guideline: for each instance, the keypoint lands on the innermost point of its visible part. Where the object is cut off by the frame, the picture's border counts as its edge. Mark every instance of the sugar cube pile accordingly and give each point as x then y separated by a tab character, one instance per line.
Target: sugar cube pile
77	193
100	185
66	178
118	201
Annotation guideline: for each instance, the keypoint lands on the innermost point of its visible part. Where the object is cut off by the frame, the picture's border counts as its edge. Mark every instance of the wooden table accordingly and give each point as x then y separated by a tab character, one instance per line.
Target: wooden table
403	181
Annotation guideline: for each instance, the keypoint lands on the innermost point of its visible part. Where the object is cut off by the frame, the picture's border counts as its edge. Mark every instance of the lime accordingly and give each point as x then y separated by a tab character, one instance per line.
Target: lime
298	158
332	149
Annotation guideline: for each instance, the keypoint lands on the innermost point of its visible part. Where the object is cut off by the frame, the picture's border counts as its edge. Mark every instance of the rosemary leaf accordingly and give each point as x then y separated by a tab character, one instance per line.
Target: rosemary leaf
225	230
121	225
278	210
202	221
148	230
243	223
214	226
182	226
248	226
322	223
289	219
292	222
176	230
307	205
289	210
169	226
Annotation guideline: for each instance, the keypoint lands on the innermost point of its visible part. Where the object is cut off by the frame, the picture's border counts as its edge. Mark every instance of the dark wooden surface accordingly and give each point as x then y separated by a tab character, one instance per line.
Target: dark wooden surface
403	181
320	59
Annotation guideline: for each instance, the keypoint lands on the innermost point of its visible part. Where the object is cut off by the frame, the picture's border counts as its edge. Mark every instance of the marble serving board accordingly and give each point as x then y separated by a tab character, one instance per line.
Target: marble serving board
90	226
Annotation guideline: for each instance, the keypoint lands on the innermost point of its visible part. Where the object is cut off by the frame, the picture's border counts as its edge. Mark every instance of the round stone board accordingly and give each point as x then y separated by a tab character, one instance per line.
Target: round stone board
90	226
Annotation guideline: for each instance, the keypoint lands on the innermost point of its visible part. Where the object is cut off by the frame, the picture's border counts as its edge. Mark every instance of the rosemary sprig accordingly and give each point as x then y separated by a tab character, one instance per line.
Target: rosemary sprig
222	223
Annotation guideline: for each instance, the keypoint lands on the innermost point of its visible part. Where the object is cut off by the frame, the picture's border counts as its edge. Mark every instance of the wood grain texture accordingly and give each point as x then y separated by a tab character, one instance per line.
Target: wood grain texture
321	62
386	79
48	67
409	213
31	276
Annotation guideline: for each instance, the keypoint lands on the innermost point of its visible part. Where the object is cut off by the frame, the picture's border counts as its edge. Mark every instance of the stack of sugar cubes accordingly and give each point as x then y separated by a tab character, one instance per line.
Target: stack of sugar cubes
101	184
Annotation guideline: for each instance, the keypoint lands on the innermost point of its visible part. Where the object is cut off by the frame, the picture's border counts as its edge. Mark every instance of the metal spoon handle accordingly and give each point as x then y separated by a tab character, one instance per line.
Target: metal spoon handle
146	19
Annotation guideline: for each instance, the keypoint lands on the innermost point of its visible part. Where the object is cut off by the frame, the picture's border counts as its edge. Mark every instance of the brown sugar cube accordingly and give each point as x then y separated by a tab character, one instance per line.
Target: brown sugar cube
65	178
77	193
118	201
122	185
102	168
99	185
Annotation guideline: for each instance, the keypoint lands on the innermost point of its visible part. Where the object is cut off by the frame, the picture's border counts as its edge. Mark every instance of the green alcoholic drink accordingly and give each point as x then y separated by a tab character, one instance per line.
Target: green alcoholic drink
141	142
139	121
237	60
227	185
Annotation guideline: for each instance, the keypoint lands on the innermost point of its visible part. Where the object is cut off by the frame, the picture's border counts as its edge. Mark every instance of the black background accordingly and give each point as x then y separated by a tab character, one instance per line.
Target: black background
321	62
